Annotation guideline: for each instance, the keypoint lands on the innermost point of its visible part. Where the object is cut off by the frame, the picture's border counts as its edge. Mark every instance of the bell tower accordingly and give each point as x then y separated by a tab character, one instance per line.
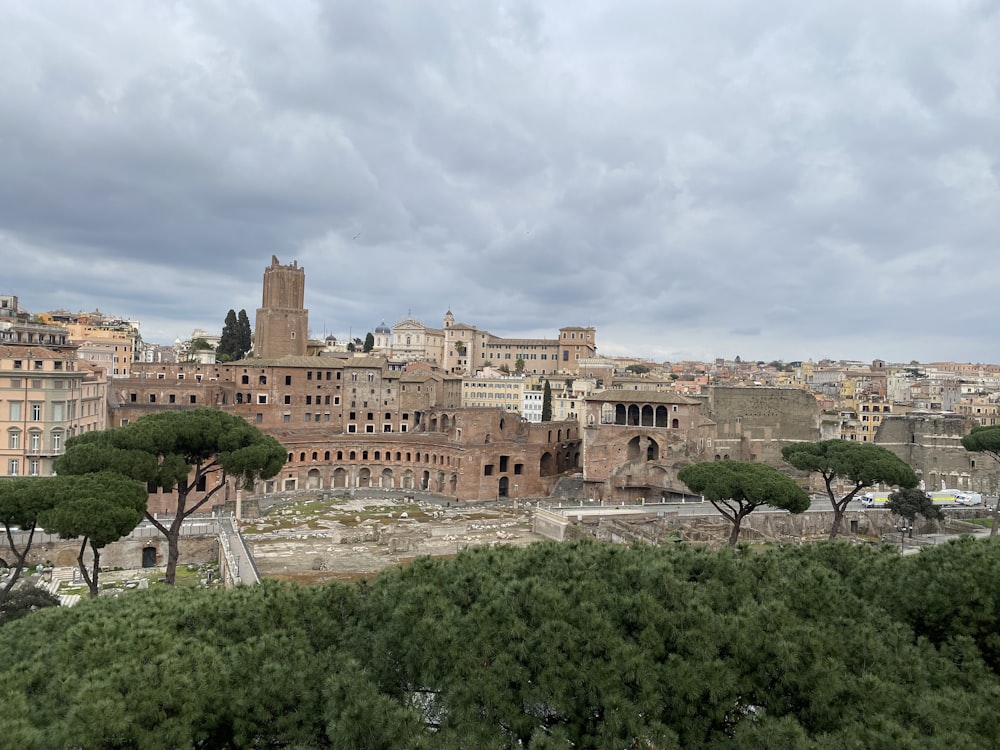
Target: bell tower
282	320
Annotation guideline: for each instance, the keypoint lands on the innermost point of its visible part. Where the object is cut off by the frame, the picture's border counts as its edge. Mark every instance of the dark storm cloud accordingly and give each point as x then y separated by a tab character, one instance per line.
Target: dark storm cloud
804	179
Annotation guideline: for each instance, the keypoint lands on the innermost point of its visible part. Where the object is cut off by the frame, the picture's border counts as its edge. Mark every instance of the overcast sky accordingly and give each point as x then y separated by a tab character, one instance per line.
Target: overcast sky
775	180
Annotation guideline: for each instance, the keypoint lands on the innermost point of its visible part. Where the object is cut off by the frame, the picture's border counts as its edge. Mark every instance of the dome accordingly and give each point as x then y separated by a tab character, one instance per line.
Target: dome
383	328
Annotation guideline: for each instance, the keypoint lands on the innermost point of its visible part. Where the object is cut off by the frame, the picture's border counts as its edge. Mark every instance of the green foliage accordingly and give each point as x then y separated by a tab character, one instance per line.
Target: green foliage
547	402
911	502
519	365
99	508
246	333
175	451
737	488
637	369
23	601
22	501
369	342
230	343
581	645
859	465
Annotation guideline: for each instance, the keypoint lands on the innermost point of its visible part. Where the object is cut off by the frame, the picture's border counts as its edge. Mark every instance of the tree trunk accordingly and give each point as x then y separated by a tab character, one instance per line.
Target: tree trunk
996	518
173	550
20	557
91	581
838	517
734	535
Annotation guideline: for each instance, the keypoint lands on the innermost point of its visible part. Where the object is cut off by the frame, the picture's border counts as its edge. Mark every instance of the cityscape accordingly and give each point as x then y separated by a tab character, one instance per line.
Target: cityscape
466	406
435	375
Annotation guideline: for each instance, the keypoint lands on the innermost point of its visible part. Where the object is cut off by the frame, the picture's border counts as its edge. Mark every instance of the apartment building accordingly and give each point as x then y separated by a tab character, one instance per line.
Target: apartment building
46	397
492	388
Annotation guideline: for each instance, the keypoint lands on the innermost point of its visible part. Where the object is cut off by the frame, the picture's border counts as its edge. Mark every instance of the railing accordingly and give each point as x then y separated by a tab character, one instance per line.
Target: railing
239	564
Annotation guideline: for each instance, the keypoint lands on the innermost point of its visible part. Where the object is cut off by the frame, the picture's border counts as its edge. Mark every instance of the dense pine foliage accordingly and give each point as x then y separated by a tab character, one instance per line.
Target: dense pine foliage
579	645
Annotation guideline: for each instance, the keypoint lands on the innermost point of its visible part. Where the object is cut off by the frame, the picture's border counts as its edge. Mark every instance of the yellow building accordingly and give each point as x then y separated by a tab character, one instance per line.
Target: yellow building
491	388
112	344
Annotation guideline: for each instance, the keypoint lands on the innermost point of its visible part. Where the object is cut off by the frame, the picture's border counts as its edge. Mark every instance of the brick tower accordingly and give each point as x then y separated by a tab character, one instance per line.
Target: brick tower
282	321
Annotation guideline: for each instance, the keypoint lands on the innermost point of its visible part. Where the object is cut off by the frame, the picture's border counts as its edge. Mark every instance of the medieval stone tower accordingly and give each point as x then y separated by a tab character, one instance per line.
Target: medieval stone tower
282	321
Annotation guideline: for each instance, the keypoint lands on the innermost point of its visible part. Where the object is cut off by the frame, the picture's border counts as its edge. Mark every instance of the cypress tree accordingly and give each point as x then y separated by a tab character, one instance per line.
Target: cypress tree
229	342
246	334
547	403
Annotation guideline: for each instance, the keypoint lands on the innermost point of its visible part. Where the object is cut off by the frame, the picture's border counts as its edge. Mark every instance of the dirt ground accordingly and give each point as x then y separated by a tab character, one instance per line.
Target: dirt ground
312	540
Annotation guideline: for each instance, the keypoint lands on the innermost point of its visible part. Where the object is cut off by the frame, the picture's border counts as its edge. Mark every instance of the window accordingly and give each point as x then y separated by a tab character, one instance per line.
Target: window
261	398
245	380
152	398
18	364
259	418
15	411
33	470
192	399
262	380
309	375
488	470
57	442
12	467
288	379
14	440
36	412
35	442
309	400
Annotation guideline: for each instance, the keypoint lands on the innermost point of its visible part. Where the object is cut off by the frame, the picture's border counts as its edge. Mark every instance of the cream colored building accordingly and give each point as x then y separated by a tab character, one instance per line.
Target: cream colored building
111	344
46	397
468	349
493	388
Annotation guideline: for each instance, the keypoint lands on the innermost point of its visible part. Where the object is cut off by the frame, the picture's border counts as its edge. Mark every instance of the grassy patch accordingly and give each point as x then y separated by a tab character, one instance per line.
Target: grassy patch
984	522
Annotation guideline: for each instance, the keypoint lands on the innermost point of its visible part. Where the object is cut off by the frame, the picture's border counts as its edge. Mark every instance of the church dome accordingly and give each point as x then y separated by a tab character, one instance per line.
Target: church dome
383	328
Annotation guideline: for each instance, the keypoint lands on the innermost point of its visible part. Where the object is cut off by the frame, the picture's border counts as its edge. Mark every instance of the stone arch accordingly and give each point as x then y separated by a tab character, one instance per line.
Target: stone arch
339	477
546	465
453	484
646	416
503	487
408	479
633	414
661	416
385	481
675	423
425	480
313	481
365	477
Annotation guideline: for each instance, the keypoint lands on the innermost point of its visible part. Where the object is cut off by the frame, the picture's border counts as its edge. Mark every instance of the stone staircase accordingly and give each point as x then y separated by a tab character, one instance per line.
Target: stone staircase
59	577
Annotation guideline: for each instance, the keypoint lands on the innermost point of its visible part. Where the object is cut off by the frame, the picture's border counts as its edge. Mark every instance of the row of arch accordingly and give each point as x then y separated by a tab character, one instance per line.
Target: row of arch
640	416
371	477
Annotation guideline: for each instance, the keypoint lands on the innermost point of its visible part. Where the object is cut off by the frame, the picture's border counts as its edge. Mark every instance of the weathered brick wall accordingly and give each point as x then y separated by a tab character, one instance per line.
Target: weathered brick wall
932	445
754	423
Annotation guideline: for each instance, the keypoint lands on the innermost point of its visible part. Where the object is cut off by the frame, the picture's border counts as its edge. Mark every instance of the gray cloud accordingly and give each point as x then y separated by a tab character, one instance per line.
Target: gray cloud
805	180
